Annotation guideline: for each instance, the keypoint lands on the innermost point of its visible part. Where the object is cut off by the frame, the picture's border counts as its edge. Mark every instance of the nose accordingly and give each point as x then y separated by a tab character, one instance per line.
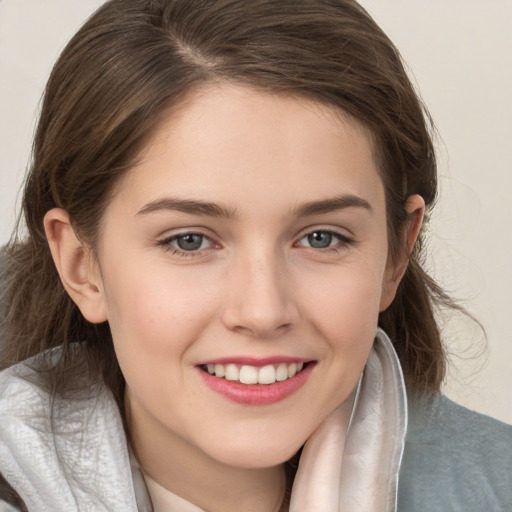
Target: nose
260	302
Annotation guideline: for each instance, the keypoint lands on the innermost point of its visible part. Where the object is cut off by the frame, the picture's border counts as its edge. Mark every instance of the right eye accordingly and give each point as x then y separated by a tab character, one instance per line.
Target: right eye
186	243
320	239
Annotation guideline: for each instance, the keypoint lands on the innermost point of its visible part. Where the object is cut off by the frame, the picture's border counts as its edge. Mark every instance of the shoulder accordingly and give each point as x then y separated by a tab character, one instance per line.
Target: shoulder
21	392
455	459
58	451
26	396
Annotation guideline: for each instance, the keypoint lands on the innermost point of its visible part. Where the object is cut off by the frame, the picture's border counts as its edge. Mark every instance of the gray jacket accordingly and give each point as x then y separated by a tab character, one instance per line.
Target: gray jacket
455	460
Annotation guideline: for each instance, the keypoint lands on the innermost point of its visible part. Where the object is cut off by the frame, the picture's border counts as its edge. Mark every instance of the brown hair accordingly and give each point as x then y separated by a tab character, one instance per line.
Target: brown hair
128	64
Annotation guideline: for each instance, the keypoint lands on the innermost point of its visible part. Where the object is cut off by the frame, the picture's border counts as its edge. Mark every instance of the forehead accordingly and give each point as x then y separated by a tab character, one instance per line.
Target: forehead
241	146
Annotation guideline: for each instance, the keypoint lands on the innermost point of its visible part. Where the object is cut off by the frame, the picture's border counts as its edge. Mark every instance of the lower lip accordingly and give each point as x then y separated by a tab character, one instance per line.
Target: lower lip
257	394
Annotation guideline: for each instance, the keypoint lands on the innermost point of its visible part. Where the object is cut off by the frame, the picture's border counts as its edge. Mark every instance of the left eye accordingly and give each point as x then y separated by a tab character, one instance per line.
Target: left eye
189	242
321	239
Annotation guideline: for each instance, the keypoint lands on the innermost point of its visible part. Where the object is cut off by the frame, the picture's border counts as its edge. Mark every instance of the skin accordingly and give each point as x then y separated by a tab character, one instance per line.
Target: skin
256	286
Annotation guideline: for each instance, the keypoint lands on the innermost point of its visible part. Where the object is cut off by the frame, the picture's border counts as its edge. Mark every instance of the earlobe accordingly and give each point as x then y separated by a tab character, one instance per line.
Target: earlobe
78	272
395	269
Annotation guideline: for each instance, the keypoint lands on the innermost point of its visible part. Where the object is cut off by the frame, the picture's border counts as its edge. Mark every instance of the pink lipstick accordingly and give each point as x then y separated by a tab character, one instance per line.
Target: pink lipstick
256	382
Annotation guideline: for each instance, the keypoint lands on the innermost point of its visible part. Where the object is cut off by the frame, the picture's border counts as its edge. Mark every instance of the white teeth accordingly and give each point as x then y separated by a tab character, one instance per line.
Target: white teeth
219	370
267	374
247	374
282	372
232	372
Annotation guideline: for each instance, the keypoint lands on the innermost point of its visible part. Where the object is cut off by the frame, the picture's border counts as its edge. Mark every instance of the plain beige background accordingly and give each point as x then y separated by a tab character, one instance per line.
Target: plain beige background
459	53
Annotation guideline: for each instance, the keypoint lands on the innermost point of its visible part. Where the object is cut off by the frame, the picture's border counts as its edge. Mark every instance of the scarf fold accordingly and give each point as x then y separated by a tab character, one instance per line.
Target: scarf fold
353	466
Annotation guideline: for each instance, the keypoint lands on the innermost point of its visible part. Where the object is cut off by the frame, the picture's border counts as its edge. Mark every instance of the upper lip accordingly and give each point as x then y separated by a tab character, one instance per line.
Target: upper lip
255	361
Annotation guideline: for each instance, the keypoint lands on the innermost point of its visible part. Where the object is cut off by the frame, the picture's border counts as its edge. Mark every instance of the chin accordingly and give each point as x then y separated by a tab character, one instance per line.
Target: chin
256	455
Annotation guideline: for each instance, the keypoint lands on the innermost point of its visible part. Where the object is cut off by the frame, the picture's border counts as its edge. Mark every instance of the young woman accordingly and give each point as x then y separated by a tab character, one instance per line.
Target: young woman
220	304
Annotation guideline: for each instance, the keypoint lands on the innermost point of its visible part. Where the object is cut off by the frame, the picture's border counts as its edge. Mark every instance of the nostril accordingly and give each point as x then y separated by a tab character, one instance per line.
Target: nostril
260	310
261	330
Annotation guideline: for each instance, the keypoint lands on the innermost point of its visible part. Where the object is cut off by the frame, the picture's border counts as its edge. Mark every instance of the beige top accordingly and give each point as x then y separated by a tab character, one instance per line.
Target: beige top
166	501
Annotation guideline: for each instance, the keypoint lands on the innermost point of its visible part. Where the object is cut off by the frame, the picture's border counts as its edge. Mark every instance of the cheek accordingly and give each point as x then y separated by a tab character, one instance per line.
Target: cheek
153	297
152	328
346	301
158	317
150	312
344	311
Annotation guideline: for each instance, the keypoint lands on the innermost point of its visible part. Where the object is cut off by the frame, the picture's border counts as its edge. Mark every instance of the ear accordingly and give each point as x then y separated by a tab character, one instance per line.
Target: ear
395	268
77	268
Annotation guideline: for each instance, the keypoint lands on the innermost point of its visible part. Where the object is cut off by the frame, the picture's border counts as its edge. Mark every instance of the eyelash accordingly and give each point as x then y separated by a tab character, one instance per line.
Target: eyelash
167	243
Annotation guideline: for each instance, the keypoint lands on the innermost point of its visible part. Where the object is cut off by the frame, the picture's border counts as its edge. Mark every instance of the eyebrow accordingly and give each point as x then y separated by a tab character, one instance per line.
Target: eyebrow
190	206
332	205
205	208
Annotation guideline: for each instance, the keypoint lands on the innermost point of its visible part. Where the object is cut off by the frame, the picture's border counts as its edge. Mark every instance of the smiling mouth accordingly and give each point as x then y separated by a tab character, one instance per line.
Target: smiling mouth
247	374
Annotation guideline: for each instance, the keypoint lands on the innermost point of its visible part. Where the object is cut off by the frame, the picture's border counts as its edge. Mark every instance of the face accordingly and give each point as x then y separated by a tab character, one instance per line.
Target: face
243	264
